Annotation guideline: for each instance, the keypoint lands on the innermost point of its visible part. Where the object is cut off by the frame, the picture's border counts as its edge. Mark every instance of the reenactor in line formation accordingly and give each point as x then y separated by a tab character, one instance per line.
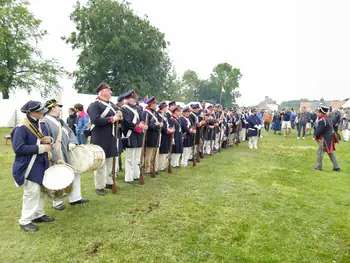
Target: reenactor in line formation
155	138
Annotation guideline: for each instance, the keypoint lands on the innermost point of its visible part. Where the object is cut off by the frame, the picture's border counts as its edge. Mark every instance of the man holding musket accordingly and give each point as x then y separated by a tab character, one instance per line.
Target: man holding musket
104	115
132	135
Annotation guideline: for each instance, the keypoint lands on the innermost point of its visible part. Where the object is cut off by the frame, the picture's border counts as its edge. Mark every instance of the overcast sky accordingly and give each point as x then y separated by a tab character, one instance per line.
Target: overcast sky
286	49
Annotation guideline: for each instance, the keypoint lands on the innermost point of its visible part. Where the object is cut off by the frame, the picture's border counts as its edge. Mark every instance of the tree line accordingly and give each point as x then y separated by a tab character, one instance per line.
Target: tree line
116	46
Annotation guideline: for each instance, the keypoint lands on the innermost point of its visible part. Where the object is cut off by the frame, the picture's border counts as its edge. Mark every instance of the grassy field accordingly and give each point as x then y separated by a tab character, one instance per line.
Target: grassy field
238	206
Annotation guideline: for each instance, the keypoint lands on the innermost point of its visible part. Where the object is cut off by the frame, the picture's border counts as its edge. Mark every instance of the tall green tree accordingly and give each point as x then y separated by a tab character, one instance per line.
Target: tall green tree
225	75
191	85
21	64
118	47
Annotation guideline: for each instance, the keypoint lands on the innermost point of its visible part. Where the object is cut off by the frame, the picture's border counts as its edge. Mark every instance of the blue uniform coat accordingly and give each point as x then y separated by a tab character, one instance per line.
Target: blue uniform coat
101	134
253	120
24	145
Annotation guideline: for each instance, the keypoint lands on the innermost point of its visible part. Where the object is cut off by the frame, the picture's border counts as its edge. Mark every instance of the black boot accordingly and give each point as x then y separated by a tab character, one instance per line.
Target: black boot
44	219
29	228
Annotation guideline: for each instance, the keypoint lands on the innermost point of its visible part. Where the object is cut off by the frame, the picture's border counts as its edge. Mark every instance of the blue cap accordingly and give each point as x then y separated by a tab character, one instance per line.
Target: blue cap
194	106
151	100
186	109
34	106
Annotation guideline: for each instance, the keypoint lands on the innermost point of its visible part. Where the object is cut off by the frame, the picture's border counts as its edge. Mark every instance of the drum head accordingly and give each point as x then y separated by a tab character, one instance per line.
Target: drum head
58	177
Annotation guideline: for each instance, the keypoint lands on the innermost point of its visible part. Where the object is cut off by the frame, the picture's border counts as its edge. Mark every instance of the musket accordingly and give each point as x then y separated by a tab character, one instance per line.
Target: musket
194	147
211	141
114	185
170	170
143	155
153	172
198	159
220	132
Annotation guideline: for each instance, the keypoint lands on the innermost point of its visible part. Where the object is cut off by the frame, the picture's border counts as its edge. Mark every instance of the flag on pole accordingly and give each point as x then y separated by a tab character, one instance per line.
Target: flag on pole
222	87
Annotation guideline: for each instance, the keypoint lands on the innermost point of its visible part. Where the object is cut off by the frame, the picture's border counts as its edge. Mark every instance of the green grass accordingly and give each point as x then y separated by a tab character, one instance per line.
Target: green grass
238	206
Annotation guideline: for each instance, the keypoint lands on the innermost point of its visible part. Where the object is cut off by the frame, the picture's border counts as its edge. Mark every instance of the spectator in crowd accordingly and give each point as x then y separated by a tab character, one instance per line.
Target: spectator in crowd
286	122
72	120
276	123
335	117
294	116
267	119
303	119
83	123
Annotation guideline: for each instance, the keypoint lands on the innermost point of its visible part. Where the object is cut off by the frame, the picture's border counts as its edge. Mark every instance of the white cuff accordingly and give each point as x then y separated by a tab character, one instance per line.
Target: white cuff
41	149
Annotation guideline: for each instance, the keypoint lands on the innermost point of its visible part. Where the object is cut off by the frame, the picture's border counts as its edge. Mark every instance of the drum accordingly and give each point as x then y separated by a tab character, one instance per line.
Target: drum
58	181
86	157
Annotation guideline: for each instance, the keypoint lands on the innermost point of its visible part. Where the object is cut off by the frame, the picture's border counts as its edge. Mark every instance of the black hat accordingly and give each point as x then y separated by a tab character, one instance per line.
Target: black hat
323	109
162	105
186	109
177	108
151	100
102	86
121	97
34	106
194	106
172	103
130	94
50	103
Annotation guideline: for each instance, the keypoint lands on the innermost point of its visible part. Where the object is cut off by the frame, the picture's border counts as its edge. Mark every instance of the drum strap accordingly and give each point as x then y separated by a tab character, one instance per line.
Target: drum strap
58	142
104	114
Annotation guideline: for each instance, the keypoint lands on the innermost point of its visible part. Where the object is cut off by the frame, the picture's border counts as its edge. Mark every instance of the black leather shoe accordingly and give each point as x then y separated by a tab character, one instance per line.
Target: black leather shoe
317	169
44	219
29	228
108	186
81	201
136	179
336	169
101	192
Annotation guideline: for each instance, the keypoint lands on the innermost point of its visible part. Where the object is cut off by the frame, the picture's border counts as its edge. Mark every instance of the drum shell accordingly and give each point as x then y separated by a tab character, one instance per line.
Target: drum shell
87	157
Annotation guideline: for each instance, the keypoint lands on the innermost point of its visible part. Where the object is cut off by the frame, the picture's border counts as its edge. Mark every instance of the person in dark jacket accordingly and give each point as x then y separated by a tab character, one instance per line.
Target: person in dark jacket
104	115
72	120
325	139
153	135
166	137
188	127
31	161
254	125
174	122
132	136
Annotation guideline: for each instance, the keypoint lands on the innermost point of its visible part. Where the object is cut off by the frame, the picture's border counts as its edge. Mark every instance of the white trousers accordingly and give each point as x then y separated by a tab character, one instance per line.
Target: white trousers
75	195
346	135
243	134
207	147
217	137
103	175
162	158
175	159
33	202
132	164
185	156
253	142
